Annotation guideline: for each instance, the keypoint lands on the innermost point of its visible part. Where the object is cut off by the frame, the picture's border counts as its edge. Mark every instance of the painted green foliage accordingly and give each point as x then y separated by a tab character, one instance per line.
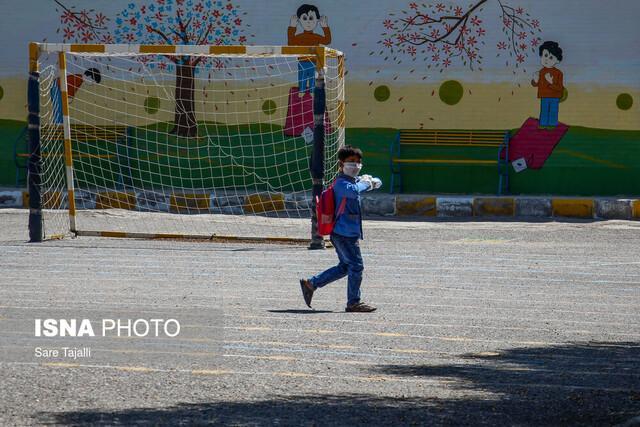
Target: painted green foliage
151	105
451	92
382	93
269	107
624	101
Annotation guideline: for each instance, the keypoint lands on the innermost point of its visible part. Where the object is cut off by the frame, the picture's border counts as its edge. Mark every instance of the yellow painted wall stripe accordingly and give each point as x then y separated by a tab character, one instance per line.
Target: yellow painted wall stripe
635	207
573	208
494	206
116	200
425	206
592	159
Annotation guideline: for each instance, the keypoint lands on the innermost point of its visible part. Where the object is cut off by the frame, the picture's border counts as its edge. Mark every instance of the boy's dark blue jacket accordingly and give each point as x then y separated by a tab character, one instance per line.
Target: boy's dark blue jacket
349	223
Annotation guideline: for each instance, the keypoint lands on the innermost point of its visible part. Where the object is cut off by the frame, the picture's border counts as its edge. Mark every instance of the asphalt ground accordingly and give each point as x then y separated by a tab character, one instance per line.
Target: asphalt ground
478	323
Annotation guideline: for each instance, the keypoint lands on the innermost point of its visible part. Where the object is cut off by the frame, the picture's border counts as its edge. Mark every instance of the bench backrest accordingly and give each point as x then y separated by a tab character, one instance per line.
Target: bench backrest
487	138
85	133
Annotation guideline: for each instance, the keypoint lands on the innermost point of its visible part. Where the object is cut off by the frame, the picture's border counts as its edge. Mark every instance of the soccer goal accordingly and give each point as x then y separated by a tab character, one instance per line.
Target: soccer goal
181	141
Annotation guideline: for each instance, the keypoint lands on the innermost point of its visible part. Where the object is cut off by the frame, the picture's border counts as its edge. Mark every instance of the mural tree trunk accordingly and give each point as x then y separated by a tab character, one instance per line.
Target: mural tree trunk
185	119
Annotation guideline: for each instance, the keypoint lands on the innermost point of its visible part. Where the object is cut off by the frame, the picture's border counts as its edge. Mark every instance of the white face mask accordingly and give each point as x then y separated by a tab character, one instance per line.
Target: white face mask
351	169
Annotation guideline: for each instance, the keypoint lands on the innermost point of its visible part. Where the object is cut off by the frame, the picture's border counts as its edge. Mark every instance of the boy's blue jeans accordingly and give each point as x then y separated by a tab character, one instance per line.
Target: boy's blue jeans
549	111
348	250
306	76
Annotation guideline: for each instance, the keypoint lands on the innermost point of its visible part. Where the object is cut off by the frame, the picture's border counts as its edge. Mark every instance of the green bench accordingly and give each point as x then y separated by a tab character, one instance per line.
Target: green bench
429	138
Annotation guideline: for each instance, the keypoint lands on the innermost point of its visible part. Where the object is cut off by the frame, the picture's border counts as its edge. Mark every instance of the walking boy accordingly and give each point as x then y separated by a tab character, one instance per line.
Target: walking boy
549	81
347	231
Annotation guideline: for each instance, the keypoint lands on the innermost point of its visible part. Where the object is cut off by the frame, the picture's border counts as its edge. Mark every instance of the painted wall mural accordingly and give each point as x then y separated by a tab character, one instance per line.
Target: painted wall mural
300	106
162	22
561	77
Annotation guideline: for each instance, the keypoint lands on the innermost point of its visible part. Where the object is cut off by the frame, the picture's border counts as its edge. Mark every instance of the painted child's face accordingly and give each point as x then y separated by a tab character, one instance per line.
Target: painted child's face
309	20
548	60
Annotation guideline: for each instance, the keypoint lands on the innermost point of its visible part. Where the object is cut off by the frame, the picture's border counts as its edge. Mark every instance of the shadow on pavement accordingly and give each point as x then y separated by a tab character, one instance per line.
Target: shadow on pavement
573	384
321	410
591	383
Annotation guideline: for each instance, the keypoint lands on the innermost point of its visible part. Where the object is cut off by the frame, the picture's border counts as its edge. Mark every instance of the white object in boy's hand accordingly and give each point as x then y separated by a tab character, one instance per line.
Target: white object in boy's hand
368	180
377	183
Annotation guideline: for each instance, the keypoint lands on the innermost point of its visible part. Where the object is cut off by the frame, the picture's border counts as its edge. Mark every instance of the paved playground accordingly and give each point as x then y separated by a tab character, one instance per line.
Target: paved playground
479	322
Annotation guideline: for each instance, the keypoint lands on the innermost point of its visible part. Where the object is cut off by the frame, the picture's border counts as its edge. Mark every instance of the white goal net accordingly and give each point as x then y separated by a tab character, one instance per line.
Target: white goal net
189	143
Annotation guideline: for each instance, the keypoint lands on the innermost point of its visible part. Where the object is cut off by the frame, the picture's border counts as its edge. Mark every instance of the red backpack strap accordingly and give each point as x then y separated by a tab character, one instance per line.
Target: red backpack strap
343	203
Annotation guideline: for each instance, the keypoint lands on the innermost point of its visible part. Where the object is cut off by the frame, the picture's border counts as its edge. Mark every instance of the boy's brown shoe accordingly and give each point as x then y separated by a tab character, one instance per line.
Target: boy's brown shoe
359	307
307	291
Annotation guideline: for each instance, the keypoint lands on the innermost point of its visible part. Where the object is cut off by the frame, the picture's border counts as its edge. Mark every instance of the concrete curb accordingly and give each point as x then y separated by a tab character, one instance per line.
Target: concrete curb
411	205
533	207
377	204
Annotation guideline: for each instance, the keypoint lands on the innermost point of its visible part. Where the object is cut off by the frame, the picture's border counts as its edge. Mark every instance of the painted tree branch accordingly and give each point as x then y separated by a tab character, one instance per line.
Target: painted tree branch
78	17
87	23
445	33
204	37
160	33
464	18
510	19
165	38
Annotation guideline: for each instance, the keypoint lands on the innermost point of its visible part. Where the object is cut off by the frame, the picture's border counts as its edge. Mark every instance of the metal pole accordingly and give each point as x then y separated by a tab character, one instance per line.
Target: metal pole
66	126
34	165
317	156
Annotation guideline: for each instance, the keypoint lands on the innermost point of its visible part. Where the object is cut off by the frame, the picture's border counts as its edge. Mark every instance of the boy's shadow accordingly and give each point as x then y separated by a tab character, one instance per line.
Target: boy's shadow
307	311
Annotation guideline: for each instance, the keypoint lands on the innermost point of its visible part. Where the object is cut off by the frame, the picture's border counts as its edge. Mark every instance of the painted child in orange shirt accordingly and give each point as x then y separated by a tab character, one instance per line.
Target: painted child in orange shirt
308	16
549	81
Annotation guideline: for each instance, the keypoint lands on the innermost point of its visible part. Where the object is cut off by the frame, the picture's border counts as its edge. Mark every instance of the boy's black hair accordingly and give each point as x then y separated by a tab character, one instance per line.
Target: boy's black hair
348	151
553	48
94	73
306	8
